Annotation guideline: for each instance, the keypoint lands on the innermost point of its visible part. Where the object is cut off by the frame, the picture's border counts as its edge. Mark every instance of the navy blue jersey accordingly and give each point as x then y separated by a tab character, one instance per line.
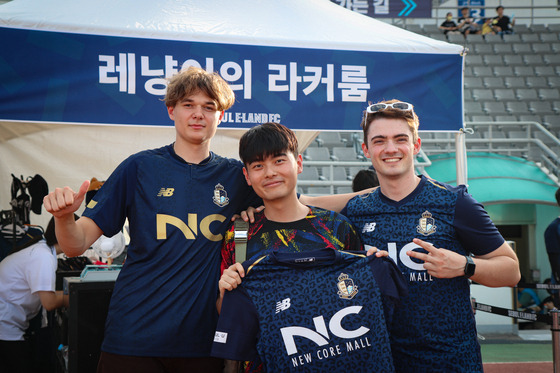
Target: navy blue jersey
164	301
434	328
317	311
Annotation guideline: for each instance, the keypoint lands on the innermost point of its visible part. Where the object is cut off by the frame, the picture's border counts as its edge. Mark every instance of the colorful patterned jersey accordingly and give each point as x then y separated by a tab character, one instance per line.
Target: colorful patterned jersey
320	228
317	311
164	301
434	328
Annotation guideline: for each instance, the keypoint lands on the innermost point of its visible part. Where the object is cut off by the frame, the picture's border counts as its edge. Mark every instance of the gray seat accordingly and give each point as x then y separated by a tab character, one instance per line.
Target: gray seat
431	28
456	38
339	173
512	38
554	27
317	154
536	82
482	71
468	95
538	27
517	107
524	70
552	59
521	28
521	48
548	37
541	48
551	120
493	38
502	48
545	71
345	154
549	94
506	118
482	94
473	108
541	107
514	82
319	190
473	82
493	59
473	59
527	94
494	134
483	48
555	47
512	59
533	59
482	118
530	37
530	118
503	71
493	81
438	36
551	81
494	108
330	139
309	173
344	190
474	38
504	94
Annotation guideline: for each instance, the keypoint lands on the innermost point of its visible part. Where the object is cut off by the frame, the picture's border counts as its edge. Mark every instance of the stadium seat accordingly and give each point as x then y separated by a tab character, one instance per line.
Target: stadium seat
493	38
552	59
512	59
493	59
503	71
474	38
339	173
541	48
482	48
482	94
309	173
471	82
530	118
526	94
504	94
456	38
521	28
536	82
555	47
551	120
554	28
521	48
473	59
482	71
345	154
473	108
415	28
548	37
536	28
517	107
541	107
317	154
532	59
482	118
551	81
330	139
512	38
530	38
344	190
549	94
319	190
545	71
494	108
502	48
431	29
494	81
523	70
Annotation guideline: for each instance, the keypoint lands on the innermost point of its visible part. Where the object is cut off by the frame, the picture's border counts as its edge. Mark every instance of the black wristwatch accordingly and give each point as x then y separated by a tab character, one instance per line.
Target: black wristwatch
469	267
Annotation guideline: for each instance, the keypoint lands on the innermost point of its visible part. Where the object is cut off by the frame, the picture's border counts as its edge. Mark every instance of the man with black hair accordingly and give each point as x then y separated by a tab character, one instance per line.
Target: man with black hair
501	23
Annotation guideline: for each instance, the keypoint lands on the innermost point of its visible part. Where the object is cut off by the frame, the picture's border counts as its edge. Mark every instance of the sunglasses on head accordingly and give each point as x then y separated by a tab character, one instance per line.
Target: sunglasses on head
374	108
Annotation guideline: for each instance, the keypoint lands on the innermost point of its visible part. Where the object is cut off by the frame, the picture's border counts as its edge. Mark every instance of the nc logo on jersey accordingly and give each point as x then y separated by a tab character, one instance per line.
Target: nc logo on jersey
220	196
166	192
427	224
346	287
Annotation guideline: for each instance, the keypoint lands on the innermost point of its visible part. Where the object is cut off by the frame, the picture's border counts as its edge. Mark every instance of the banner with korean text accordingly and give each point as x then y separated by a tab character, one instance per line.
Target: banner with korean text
82	78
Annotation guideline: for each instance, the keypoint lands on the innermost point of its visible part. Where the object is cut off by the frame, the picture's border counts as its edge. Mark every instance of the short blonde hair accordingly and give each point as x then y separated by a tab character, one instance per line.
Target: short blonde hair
194	79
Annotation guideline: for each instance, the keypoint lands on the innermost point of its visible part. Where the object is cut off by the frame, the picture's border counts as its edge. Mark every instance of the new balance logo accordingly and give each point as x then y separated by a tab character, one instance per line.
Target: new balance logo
283	305
368	227
166	192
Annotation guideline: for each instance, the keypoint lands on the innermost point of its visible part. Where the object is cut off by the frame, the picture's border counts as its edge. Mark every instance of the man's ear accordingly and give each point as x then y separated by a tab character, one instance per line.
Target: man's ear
299	161
417	146
246	173
170	110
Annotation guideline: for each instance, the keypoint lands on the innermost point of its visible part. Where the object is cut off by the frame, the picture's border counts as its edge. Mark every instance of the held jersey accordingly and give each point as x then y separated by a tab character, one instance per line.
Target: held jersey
320	228
164	301
318	311
434	329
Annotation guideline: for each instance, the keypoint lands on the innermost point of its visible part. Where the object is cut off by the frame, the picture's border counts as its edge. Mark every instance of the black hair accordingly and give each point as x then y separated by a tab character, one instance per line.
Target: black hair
498	7
50	235
266	140
364	179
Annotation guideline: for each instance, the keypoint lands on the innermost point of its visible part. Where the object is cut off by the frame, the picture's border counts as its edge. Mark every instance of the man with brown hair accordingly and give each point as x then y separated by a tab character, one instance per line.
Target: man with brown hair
179	200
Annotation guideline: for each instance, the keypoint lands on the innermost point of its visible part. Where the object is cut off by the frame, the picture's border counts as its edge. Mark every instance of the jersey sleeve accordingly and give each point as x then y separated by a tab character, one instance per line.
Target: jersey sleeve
391	283
475	230
238	328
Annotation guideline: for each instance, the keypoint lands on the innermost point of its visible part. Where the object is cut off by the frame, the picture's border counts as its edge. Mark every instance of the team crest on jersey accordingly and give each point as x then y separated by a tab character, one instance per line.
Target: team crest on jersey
346	287
220	196
426	224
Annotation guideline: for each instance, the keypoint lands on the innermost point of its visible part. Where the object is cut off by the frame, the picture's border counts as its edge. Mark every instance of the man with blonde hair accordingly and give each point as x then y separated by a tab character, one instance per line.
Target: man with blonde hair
179	200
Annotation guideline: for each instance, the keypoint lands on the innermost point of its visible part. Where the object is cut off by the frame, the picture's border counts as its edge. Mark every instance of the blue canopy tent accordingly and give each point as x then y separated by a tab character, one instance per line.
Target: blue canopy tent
311	65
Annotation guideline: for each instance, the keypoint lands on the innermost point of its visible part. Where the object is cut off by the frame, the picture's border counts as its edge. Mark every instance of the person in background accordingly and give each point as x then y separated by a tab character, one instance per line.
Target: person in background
502	24
448	25
552	243
179	200
28	279
467	24
364	179
430	229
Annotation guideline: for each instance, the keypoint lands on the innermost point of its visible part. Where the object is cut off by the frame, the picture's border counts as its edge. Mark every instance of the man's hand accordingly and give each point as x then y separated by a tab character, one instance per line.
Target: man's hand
231	277
249	214
64	201
378	253
440	263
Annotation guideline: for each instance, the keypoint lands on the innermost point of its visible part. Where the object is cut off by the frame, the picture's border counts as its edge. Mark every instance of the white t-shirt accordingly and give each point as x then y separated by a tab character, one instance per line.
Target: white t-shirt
22	275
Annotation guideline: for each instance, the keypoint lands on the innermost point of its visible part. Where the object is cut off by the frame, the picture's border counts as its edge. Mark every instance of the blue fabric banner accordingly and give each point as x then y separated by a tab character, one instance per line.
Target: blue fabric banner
82	78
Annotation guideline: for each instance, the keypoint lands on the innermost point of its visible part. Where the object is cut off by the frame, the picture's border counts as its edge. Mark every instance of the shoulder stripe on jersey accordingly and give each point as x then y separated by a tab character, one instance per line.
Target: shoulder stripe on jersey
255	263
435	184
